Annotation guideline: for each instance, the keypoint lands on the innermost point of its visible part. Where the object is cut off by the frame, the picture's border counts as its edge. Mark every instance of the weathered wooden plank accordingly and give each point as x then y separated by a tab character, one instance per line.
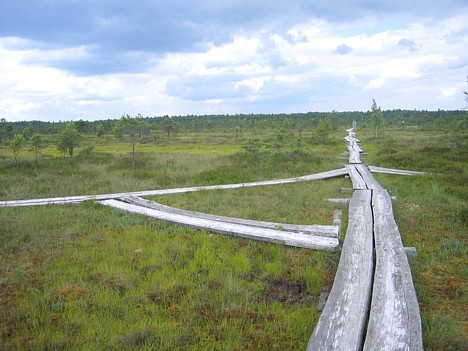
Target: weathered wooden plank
357	147
394	322
46	201
244	231
356	178
354	155
160	192
342	323
323	230
369	179
337	218
317	176
346	190
352	138
326	175
374	169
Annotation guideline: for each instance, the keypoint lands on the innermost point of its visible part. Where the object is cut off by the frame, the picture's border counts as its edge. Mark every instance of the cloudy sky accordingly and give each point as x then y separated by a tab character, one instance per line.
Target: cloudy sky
99	59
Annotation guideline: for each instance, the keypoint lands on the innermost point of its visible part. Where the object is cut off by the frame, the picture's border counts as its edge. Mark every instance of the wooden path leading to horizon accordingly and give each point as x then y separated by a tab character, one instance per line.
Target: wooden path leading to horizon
372	304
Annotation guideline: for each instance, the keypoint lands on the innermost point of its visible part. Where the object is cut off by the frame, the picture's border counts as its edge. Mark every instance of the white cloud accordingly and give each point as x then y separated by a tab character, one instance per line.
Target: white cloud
308	66
17	106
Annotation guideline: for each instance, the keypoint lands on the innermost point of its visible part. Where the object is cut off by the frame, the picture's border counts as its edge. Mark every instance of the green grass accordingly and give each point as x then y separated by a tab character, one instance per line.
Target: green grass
111	173
70	278
298	203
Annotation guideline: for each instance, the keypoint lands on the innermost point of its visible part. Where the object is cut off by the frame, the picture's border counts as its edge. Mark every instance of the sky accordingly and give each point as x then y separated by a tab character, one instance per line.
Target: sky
99	59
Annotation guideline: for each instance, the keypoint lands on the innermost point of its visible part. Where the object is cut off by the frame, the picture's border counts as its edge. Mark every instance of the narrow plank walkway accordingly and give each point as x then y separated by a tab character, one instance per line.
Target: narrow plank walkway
387	304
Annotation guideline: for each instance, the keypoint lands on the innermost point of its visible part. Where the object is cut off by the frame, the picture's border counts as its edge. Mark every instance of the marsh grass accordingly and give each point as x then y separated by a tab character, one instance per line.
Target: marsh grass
298	203
101	173
111	173
89	277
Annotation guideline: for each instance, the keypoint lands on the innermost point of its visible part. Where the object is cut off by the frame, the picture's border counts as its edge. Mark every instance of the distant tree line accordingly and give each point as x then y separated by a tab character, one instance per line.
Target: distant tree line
284	130
242	122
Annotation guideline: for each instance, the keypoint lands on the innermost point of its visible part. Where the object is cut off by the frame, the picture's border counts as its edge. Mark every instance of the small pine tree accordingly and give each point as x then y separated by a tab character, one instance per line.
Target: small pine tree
253	147
376	117
135	128
323	131
37	143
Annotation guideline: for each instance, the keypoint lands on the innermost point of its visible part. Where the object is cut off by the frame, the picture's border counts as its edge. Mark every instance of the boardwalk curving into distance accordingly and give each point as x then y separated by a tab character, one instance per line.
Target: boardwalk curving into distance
372	304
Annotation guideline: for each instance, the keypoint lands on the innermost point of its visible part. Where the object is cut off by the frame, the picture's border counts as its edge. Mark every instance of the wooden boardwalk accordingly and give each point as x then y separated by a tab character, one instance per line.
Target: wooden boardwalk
372	305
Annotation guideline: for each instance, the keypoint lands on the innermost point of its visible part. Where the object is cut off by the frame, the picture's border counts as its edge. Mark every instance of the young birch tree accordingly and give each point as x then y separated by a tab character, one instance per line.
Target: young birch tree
15	146
69	139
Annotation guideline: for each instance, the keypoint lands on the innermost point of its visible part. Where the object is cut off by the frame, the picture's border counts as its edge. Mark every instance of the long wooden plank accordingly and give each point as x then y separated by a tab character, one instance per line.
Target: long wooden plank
325	175
323	230
353	147
160	192
369	179
374	169
244	231
342	323
357	147
356	178
394	322
352	138
354	155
